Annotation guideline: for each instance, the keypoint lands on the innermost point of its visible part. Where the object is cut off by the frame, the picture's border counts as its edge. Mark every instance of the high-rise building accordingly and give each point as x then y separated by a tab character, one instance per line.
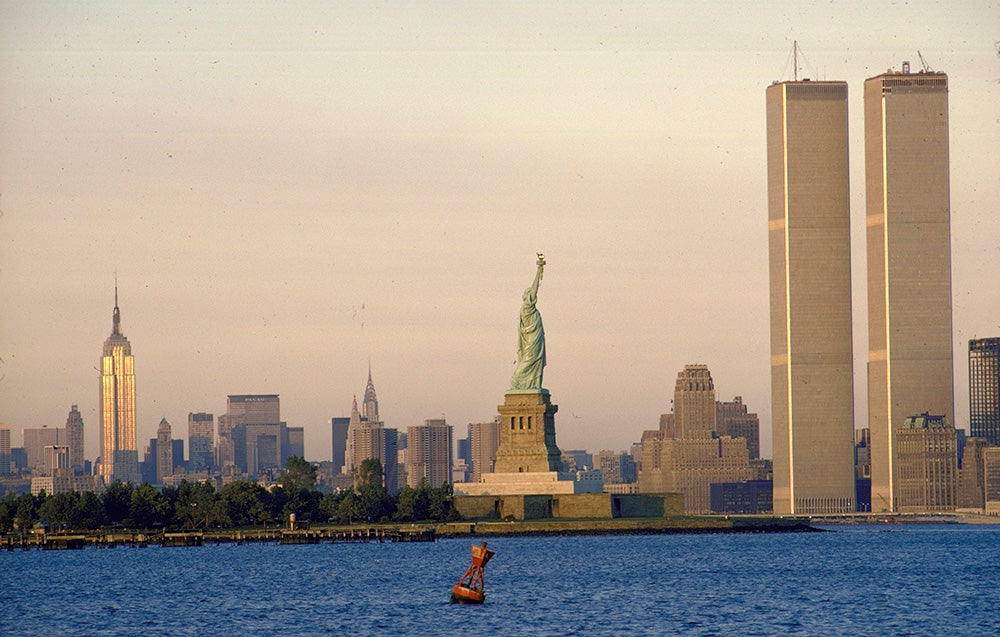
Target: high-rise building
809	234
971	475
38	442
926	465
694	403
428	454
984	389
369	438
733	419
5	461
251	435
484	439
119	455
338	429
201	434
684	456
74	439
164	451
908	225
991	479
296	443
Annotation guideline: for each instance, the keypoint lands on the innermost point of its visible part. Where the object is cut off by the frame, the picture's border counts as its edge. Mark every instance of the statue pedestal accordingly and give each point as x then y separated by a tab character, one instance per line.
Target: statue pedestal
527	433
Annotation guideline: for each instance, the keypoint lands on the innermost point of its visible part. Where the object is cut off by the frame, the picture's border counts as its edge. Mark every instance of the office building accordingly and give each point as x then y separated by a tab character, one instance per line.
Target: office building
991	480
686	455
6	465
338	430
74	439
809	237
38	442
119	454
734	420
971	475
428	454
296	442
984	389
369	438
201	445
908	225
926	465
164	451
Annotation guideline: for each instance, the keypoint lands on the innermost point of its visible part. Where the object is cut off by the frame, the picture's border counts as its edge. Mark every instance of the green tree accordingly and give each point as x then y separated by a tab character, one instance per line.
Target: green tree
244	503
375	503
58	511
89	513
299	474
117	500
148	508
198	506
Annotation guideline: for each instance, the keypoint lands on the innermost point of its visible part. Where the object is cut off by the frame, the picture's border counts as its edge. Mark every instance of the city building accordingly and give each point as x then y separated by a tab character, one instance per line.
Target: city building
578	459
971	475
686	455
484	438
74	439
615	467
908	224
369	438
38	443
338	430
749	497
164	451
926	465
6	465
201	441
119	454
809	237
296	442
251	435
732	419
991	481
984	389
428	454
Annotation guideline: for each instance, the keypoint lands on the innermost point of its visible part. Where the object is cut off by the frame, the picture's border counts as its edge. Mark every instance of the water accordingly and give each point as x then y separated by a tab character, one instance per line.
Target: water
874	580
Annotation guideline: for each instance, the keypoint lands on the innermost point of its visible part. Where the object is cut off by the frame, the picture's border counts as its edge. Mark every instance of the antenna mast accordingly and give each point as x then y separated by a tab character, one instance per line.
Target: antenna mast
927	67
795	59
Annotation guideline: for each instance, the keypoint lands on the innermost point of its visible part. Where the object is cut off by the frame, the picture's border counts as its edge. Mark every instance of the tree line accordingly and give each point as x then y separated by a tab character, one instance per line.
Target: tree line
198	506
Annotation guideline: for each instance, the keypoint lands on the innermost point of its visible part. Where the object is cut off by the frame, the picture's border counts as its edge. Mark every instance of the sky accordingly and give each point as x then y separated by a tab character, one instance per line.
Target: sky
291	192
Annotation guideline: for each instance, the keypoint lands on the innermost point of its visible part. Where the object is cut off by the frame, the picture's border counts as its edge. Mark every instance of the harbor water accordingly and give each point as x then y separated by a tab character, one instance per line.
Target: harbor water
853	580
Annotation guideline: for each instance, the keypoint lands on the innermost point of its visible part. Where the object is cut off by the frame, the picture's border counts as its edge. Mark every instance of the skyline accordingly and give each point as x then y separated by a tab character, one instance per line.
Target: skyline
288	197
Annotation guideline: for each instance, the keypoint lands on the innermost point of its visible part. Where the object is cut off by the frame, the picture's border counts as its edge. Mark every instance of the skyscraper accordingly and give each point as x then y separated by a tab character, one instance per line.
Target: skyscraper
201	431
984	389
164	451
74	438
119	455
428	455
908	225
5	463
484	438
809	234
338	427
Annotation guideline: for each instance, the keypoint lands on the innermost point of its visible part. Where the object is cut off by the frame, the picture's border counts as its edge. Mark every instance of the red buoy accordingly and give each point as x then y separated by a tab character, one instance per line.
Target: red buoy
469	589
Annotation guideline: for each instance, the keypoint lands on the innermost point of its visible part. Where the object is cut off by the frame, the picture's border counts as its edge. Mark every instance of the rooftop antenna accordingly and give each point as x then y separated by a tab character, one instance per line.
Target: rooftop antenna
923	63
795	59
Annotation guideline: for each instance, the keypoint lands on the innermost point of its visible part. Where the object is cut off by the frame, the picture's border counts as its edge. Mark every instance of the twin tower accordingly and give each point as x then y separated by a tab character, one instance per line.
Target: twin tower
907	223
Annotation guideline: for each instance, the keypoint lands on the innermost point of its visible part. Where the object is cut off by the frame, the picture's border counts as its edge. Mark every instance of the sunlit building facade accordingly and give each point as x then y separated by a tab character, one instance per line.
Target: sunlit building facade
428	454
908	225
809	237
119	454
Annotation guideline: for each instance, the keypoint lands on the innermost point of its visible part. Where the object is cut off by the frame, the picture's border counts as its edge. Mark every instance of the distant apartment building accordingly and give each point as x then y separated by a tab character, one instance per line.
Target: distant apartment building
984	389
926	465
615	467
428	457
809	237
908	225
484	440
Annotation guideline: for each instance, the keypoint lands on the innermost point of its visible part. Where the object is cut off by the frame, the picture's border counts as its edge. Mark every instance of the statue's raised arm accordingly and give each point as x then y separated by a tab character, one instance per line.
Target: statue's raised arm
531	338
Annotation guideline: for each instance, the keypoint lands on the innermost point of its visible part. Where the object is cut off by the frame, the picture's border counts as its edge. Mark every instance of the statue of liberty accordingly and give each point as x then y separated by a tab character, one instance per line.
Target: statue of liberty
531	339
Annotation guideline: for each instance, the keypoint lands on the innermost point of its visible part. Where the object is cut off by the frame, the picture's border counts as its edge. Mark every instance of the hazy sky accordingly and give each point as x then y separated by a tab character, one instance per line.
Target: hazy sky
289	190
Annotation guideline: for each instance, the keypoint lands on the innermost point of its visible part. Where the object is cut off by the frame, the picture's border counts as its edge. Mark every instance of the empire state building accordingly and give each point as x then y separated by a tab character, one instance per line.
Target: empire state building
119	457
